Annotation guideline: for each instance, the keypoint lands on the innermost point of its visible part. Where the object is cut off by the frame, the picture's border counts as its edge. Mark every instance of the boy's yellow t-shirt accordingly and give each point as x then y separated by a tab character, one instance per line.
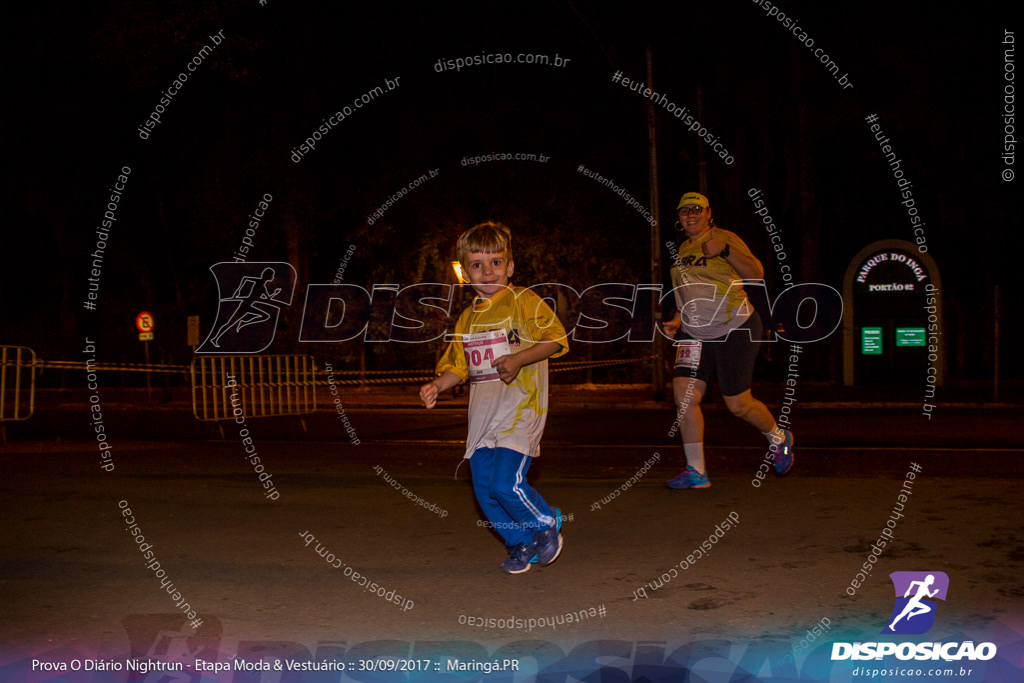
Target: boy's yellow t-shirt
507	415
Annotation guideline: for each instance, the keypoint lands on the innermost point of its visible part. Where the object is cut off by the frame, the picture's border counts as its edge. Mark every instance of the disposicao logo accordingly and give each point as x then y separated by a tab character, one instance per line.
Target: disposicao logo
914	614
258	292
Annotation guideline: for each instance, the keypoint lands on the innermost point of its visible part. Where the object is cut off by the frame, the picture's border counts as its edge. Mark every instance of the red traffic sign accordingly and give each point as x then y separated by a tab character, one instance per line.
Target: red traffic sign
144	322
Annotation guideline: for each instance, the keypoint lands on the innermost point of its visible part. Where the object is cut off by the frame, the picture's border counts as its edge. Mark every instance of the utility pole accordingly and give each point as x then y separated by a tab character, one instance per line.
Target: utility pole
658	367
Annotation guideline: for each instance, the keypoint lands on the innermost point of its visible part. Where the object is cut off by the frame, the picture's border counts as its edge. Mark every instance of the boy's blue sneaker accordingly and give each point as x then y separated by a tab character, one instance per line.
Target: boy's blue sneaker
549	541
784	455
519	558
689	479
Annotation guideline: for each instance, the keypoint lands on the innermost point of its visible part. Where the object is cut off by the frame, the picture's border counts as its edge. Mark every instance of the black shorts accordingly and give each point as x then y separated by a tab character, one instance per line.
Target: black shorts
731	357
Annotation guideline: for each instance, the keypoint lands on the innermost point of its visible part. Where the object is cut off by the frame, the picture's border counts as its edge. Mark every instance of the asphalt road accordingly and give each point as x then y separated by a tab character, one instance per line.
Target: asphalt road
72	577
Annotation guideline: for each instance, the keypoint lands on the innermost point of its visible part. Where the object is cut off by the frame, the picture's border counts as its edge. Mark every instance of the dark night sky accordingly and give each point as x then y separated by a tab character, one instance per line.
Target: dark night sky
81	78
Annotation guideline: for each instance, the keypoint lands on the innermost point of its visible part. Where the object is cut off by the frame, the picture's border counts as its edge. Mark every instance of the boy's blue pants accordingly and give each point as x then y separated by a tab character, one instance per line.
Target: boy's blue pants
513	506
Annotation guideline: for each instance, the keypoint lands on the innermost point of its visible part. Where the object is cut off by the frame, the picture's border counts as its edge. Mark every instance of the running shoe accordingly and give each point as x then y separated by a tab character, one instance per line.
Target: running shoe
519	558
784	454
549	541
689	479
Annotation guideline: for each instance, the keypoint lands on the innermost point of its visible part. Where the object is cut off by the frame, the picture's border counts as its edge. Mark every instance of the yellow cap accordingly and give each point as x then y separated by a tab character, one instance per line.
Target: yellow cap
693	198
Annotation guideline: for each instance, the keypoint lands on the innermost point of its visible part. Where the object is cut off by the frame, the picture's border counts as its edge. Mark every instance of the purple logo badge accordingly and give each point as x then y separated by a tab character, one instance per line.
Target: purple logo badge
916	592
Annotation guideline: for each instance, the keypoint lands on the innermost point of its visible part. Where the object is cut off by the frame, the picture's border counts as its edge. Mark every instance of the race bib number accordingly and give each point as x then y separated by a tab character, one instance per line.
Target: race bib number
482	349
688	354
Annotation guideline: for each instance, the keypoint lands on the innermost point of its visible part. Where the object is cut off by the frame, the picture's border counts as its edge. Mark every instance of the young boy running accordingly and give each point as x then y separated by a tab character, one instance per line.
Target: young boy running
501	345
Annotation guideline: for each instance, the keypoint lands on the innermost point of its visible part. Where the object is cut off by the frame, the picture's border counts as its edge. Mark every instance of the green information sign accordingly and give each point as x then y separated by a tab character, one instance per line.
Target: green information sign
871	341
910	336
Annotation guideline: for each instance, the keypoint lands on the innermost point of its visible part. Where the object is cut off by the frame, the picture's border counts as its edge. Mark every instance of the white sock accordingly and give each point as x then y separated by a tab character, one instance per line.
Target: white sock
694	455
775	437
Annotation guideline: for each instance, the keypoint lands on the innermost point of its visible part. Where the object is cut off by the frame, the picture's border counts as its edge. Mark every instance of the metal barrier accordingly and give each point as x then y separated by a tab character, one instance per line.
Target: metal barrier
584	364
262	386
17	370
123	367
422	376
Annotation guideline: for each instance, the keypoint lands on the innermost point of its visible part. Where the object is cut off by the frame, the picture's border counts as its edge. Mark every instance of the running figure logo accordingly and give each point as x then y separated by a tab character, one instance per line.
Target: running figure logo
247	320
914	613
